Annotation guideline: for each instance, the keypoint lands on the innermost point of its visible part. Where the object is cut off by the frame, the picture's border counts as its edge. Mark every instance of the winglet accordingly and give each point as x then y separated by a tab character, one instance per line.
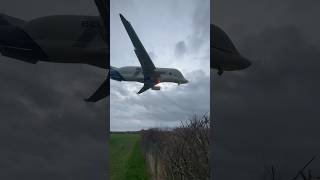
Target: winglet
122	18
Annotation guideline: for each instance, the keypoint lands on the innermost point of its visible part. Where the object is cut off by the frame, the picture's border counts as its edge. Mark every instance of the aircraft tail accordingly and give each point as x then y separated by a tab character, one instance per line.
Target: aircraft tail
6	20
113	68
115	74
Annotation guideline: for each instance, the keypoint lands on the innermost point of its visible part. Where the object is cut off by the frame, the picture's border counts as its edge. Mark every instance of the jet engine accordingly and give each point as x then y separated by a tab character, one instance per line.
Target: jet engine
157	88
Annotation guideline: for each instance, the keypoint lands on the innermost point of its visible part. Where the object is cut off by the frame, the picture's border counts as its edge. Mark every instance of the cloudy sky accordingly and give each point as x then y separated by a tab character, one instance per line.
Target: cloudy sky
269	113
47	131
176	34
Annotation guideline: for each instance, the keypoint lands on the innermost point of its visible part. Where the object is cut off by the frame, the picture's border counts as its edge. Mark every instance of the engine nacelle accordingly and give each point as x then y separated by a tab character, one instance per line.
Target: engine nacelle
157	88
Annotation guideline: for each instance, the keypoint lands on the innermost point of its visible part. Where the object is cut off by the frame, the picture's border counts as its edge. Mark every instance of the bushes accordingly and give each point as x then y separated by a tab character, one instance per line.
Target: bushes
180	153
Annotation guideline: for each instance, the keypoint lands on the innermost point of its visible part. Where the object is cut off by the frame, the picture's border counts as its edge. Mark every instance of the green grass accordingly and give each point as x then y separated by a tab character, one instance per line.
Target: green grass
126	158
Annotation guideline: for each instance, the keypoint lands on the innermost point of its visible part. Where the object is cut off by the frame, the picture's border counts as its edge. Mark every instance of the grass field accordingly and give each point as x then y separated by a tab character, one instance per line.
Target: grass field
126	157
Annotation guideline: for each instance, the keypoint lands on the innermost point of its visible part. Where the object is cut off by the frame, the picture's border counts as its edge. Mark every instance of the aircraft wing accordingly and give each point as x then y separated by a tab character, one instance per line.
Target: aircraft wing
144	58
101	92
103	10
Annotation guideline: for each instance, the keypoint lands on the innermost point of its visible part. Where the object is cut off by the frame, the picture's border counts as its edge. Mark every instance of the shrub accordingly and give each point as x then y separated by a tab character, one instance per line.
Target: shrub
179	153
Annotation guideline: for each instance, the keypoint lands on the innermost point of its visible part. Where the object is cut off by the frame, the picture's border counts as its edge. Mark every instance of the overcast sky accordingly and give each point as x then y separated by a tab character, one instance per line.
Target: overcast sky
47	131
176	35
268	113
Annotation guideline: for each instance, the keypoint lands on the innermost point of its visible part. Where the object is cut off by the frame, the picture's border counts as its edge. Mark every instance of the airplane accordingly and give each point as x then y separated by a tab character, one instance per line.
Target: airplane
147	74
60	39
225	56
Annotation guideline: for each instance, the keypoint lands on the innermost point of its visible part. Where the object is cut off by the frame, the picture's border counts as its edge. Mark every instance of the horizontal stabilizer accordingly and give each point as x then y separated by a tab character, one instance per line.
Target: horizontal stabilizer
115	74
102	92
145	87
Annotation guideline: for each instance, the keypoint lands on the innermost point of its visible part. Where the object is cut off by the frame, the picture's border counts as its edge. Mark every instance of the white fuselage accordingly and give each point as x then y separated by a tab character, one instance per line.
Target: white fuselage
135	73
69	39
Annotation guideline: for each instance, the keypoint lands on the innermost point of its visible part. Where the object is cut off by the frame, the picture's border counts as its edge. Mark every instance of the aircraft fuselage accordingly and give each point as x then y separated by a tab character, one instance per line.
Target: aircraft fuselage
59	38
224	55
135	73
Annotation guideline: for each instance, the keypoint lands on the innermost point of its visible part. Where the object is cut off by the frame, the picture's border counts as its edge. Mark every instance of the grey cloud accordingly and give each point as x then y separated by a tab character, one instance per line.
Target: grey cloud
152	55
269	111
168	37
201	29
47	130
180	49
164	108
